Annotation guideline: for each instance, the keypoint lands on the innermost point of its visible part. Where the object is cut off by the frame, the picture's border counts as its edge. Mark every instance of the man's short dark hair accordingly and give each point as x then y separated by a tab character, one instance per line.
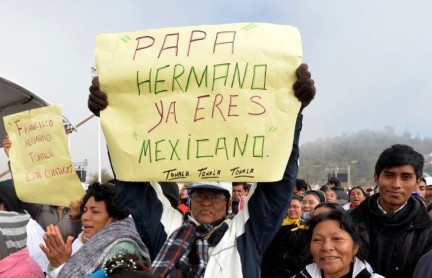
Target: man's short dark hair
246	186
399	155
335	181
301	185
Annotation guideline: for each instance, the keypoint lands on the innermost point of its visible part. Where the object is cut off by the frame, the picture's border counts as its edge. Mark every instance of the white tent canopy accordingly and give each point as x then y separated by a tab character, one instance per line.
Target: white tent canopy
14	99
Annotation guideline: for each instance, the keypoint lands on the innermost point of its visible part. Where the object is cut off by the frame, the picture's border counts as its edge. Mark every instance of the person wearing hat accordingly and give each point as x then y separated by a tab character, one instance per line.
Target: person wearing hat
9	202
428	194
15	260
209	241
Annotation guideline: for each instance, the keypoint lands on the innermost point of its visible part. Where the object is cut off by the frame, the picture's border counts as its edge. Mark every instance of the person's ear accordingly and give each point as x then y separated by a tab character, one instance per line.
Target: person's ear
355	251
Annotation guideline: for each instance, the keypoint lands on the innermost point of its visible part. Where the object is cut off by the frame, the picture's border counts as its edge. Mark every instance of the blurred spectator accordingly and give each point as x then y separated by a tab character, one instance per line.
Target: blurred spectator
356	196
324	188
335	184
300	187
331	196
239	192
428	194
421	187
327	207
369	191
310	200
240	189
15	261
184	198
287	254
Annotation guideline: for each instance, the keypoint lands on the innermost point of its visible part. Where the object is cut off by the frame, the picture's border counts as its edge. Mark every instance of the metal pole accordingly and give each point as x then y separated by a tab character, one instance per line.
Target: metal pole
99	152
349	174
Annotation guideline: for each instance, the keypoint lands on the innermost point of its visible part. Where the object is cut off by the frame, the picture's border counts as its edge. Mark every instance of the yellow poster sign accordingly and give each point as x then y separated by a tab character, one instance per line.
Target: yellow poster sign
40	161
195	103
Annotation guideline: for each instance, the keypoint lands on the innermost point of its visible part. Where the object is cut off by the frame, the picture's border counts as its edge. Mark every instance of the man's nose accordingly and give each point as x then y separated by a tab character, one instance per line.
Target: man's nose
398	182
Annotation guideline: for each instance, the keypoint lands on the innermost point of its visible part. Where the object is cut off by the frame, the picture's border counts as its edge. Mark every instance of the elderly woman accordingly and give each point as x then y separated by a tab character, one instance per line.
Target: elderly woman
107	232
337	246
356	196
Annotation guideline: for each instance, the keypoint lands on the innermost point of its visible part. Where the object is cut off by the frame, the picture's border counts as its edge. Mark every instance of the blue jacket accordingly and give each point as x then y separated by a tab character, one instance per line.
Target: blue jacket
240	250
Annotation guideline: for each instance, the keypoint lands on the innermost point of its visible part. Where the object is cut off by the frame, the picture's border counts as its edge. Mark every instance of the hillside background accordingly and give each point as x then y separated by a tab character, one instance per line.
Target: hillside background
355	155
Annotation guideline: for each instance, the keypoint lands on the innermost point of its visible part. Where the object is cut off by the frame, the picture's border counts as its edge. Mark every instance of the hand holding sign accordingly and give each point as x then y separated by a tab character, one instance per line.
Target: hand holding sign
98	100
41	167
304	87
7	143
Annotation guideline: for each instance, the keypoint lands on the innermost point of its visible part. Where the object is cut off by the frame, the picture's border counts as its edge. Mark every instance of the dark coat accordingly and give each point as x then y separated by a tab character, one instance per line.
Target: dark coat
287	254
397	240
341	194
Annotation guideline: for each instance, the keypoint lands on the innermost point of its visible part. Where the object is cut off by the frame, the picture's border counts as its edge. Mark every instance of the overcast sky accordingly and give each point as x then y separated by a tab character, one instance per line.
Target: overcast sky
371	60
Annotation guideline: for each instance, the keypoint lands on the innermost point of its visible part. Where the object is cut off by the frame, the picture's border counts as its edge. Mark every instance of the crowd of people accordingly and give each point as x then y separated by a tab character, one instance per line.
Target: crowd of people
284	228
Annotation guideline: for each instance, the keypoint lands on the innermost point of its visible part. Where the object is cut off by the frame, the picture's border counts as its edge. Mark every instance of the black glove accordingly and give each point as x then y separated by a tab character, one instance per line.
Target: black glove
304	88
97	100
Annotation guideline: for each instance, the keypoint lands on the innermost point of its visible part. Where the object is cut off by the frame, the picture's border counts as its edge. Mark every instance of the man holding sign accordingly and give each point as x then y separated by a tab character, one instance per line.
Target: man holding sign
209	242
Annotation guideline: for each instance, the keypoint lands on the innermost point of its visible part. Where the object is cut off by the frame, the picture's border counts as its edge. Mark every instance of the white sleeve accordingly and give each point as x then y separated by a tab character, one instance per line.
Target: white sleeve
34	239
54	272
171	218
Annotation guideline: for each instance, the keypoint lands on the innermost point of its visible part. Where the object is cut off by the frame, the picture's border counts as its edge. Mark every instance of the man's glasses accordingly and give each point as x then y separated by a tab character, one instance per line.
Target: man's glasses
295	207
200	197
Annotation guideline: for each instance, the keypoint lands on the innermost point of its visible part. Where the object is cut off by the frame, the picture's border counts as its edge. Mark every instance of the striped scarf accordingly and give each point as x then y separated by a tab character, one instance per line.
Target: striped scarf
185	253
13	232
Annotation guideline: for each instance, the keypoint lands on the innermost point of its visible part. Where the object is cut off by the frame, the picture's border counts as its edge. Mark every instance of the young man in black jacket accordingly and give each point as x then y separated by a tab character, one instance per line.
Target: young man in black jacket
397	223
